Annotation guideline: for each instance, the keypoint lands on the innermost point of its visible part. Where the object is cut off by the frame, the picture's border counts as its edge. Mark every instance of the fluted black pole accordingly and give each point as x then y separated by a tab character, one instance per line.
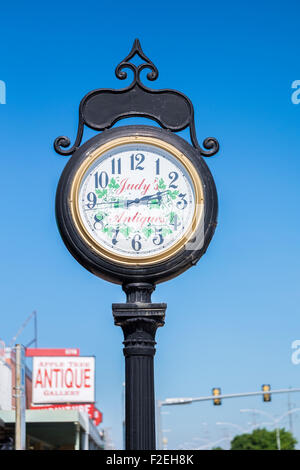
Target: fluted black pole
139	319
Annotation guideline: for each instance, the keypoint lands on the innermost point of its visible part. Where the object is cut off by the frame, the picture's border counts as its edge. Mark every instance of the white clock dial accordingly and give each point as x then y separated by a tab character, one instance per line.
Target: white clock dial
136	200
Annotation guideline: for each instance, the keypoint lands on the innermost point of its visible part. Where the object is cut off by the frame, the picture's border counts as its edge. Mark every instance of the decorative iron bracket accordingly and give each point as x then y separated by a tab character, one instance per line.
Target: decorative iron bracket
102	108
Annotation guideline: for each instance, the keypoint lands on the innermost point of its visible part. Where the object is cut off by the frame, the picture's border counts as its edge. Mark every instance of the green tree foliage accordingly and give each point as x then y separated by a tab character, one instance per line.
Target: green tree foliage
261	439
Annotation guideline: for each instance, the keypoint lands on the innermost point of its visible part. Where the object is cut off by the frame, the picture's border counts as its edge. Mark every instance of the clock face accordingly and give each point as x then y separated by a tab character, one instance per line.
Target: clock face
136	200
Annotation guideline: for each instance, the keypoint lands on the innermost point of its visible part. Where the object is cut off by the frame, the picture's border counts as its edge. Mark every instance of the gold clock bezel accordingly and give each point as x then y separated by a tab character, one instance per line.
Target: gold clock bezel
109	254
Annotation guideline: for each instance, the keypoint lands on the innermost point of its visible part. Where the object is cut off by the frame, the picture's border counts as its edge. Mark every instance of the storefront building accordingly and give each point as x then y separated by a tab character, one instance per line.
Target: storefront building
46	429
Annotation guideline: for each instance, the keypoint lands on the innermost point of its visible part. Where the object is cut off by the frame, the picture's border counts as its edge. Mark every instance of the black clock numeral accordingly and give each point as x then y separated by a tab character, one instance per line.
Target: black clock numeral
98	224
101	180
135	242
92	198
136	161
157	166
182	203
114	238
115	167
158	239
173	175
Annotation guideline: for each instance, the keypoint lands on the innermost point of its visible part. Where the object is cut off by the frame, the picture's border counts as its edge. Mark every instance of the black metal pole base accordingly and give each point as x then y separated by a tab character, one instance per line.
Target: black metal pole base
139	319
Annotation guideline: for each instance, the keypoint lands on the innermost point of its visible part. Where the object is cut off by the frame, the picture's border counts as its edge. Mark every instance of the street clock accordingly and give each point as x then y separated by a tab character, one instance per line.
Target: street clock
136	203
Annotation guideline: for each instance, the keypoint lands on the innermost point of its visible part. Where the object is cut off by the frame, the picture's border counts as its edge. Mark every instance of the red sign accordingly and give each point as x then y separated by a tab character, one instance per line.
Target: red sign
88	408
63	380
32	352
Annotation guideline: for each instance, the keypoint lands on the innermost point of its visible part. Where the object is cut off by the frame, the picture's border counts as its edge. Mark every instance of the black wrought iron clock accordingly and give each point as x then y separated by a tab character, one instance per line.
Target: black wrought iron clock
136	202
137	205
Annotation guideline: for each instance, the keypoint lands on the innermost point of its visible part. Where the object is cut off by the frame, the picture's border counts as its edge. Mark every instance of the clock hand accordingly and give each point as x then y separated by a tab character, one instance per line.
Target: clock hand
145	199
107	203
128	202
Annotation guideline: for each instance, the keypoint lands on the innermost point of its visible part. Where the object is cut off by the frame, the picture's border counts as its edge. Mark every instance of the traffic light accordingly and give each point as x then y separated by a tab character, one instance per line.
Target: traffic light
266	396
216	392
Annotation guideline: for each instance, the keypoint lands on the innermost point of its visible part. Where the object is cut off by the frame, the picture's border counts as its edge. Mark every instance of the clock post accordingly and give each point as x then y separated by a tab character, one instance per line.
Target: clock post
139	320
137	205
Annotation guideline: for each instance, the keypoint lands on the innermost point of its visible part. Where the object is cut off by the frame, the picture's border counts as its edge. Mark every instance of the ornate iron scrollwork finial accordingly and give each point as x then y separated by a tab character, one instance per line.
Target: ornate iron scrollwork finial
101	109
136	50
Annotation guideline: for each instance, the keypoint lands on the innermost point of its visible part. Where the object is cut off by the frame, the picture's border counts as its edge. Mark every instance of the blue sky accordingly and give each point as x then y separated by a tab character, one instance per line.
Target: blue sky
231	319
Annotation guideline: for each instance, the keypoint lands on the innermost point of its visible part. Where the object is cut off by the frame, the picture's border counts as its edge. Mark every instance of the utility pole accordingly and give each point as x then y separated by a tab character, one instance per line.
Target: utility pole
20	426
290	414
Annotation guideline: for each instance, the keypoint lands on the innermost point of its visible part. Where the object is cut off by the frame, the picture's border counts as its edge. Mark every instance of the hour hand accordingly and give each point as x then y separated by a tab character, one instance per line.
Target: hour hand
132	201
145	199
